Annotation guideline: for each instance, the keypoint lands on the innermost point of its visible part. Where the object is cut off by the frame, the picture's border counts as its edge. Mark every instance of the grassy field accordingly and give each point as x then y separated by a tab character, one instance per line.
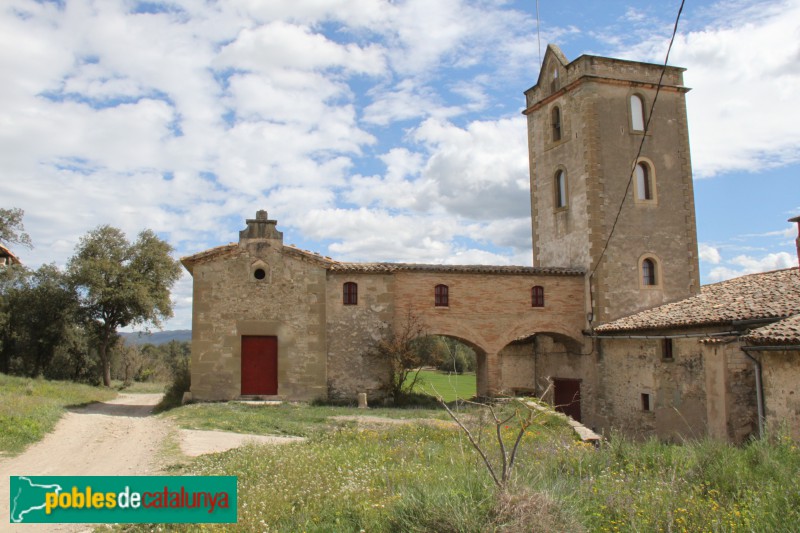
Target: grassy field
427	477
449	386
286	419
30	408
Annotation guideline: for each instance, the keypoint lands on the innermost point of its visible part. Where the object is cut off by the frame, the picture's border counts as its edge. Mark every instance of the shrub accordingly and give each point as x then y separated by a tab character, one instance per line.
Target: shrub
179	359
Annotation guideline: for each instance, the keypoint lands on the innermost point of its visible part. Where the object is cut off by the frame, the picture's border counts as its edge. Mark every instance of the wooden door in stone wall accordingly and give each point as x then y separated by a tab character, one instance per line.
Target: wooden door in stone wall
567	397
259	365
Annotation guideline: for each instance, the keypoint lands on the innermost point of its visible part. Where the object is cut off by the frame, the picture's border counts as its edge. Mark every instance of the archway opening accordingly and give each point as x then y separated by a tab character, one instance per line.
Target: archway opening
451	369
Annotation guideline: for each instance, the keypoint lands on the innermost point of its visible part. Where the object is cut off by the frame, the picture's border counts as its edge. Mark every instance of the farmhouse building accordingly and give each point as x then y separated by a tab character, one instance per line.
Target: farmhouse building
270	320
610	324
7	257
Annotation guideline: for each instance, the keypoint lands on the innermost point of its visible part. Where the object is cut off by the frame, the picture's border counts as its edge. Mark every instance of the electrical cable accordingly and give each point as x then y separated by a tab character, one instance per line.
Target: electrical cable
641	144
538	34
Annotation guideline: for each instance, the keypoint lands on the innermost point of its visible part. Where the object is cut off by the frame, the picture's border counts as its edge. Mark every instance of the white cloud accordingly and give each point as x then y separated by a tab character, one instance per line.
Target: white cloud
378	235
406	100
380	129
750	265
742	71
481	171
281	45
709	254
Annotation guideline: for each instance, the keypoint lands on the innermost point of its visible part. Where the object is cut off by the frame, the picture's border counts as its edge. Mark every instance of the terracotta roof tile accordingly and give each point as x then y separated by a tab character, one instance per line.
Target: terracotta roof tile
784	332
773	294
469	269
190	260
12	259
383	268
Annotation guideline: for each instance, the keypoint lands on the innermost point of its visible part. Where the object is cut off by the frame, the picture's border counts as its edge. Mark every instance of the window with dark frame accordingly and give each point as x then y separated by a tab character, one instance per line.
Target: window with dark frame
441	296
561	189
537	296
648	272
646	404
556	116
350	293
644	188
666	349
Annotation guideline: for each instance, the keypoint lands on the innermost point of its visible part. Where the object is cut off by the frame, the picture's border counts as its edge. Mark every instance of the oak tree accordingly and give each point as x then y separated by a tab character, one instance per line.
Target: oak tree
11	229
121	283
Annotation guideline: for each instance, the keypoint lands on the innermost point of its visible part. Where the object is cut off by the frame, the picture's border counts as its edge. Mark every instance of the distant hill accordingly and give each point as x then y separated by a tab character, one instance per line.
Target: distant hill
157	337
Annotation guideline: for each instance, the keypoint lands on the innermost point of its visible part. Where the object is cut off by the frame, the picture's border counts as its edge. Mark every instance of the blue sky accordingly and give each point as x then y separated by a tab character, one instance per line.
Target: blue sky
372	130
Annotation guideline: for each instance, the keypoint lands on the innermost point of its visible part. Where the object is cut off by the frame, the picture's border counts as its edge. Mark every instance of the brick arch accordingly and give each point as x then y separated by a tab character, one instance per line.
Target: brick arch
570	338
481	367
490	310
469	338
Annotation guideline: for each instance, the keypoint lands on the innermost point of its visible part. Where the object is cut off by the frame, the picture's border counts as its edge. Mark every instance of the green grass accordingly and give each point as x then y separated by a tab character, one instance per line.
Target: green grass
285	419
30	408
449	386
414	477
421	477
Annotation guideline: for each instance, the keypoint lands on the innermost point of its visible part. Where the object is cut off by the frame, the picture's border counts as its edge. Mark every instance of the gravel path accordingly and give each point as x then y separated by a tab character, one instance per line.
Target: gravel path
113	438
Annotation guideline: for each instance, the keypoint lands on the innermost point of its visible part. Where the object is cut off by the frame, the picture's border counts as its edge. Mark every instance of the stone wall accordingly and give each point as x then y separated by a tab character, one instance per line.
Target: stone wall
230	302
518	362
555	360
630	368
780	377
352	331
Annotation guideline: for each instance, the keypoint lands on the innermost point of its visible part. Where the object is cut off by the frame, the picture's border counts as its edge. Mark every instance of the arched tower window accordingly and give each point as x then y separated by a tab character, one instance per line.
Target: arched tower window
537	296
350	293
561	189
556	123
649	272
441	296
637	113
644	182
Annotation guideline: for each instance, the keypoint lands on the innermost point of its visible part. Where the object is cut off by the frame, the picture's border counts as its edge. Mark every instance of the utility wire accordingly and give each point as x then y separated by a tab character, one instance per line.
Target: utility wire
641	144
538	32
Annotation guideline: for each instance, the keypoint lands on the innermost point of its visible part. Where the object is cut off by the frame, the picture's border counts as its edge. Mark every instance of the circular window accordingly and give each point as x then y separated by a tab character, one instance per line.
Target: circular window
259	273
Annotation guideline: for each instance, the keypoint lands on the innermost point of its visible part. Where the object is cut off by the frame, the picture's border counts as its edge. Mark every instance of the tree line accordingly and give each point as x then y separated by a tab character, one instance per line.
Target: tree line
64	323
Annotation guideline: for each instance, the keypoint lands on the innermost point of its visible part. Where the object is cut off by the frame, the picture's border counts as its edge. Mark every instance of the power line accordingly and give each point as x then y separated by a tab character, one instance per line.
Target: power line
538	33
641	144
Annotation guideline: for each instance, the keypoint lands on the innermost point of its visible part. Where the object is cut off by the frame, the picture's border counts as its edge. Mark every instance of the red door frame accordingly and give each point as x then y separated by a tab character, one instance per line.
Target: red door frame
259	365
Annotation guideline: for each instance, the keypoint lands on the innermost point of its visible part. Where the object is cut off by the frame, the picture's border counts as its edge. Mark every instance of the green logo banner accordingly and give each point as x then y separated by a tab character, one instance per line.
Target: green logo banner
123	499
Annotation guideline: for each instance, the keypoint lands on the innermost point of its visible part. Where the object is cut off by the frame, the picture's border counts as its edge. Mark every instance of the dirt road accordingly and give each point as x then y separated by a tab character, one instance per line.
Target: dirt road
114	438
117	437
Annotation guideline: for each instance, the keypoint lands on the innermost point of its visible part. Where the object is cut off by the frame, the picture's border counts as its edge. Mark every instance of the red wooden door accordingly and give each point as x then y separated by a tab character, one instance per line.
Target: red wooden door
567	397
259	365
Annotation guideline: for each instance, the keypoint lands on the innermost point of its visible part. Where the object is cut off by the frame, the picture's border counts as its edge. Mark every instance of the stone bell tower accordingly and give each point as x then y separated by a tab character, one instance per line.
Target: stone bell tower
586	122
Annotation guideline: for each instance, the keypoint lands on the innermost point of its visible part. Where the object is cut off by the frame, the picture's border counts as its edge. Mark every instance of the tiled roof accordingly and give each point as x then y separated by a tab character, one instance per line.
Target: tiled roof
773	294
785	332
469	269
5	252
384	268
190	260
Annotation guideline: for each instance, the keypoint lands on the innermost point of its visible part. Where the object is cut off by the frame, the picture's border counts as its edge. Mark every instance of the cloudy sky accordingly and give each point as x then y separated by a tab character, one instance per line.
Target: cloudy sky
374	130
